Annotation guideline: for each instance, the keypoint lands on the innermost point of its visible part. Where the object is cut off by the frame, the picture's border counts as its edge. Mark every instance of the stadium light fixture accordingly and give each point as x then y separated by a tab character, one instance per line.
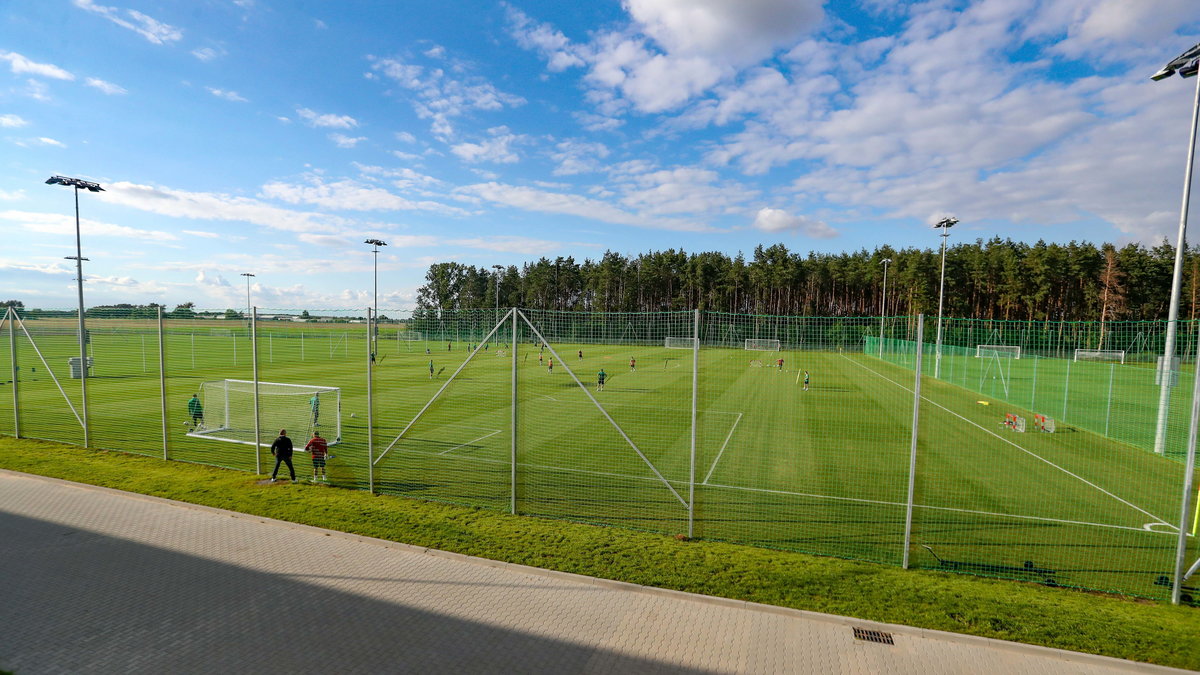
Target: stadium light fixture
247	275
883	304
944	225
375	244
1185	65
78	258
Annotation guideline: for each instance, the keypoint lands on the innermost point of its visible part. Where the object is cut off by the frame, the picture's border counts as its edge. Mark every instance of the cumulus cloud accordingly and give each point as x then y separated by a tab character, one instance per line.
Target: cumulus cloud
327	120
53	223
544	201
344	141
776	220
148	27
439	97
497	149
11	121
737	33
350	195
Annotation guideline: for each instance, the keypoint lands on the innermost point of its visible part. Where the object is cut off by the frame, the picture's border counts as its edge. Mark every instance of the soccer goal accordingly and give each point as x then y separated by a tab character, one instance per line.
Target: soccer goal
1002	351
680	343
762	345
1116	355
299	408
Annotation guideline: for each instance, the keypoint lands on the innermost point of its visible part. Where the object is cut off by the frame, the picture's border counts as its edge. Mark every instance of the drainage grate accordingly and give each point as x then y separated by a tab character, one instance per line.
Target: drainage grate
873	636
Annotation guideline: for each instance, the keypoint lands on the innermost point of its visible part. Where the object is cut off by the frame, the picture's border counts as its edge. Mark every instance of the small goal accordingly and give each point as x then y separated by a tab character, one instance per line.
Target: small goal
1112	355
680	343
762	345
299	408
1002	351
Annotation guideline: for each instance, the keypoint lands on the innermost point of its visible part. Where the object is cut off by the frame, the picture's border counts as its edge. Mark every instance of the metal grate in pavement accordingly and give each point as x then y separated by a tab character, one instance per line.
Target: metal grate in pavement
873	636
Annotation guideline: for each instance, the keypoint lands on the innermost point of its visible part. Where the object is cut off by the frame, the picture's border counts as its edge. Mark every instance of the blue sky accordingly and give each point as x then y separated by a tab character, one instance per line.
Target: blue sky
274	137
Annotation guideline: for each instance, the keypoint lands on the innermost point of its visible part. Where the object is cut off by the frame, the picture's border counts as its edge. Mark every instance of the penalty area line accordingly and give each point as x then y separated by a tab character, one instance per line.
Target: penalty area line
723	446
475	440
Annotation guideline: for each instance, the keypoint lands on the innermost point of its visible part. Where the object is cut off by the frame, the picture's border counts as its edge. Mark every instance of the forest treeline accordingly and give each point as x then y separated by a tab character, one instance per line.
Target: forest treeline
993	279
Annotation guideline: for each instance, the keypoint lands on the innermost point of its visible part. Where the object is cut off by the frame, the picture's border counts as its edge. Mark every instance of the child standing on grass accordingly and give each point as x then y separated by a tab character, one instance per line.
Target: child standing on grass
600	377
805	380
196	410
319	448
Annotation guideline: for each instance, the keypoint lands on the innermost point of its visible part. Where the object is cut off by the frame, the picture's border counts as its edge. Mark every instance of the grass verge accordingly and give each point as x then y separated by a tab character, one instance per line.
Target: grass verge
1099	624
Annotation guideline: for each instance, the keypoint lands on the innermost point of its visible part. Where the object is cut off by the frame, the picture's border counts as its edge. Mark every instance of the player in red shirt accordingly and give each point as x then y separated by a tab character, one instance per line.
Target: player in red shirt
319	448
632	363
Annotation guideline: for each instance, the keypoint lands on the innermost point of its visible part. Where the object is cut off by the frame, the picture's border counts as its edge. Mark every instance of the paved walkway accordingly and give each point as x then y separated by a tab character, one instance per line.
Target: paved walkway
100	581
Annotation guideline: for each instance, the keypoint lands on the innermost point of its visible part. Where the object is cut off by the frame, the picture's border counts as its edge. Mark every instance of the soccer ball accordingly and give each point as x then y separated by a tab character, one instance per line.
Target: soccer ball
353	415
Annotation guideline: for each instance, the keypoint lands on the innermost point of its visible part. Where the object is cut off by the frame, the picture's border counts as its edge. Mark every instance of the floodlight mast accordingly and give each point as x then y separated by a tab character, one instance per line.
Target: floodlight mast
373	326
944	225
883	304
1185	65
247	275
497	281
78	258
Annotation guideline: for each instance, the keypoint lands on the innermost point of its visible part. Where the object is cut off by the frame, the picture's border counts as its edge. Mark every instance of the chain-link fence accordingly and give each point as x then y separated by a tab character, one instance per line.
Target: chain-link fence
1061	460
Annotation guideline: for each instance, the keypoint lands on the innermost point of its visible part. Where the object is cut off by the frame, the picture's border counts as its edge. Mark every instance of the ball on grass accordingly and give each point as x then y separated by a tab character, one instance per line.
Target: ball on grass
681	537
353	415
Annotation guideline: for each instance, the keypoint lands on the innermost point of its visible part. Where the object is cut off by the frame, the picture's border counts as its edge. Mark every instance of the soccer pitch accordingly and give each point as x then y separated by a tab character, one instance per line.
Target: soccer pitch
823	471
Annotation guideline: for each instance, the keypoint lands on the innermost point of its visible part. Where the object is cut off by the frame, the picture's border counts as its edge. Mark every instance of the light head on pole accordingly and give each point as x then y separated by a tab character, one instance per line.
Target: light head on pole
1185	64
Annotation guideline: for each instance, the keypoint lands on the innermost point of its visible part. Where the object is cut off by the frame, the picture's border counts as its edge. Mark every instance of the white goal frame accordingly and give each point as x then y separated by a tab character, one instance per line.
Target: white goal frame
679	343
1010	351
762	345
1100	355
223	422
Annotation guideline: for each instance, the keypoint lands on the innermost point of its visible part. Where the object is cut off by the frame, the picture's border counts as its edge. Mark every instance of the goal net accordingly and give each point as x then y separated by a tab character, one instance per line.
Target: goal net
299	408
410	336
1117	355
680	343
1002	351
762	345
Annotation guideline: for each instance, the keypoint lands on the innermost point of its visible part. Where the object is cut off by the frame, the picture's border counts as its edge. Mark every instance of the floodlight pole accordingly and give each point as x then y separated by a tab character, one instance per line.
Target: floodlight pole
497	268
1166	369
247	275
78	258
883	304
944	225
373	327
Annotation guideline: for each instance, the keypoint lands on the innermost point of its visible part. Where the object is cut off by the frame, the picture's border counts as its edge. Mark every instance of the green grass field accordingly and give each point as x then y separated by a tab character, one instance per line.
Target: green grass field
820	471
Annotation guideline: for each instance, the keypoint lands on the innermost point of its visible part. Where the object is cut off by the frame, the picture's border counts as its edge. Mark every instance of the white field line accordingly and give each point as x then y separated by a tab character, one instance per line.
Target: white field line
474	440
809	495
722	452
1028	452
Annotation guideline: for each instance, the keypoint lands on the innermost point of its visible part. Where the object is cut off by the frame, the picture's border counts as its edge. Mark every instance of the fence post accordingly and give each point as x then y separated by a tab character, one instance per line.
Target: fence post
1188	477
1066	391
1108	412
370	412
162	382
1033	394
12	353
912	448
512	348
254	362
695	390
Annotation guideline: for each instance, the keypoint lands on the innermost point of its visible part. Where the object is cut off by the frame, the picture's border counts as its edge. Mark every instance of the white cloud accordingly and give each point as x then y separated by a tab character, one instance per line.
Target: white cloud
11	195
214	279
348	195
542	201
324	240
22	66
53	223
226	94
206	54
213	206
558	51
737	33
518	245
497	149
405	137
327	120
439	97
39	141
202	234
682	190
106	87
11	121
776	220
153	30
344	141
576	156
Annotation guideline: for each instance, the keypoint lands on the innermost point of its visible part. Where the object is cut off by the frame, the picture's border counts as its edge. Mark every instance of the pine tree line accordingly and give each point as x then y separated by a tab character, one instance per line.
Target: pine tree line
994	279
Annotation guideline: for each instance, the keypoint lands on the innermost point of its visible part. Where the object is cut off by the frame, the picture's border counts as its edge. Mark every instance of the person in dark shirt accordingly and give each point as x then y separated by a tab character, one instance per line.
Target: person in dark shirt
282	449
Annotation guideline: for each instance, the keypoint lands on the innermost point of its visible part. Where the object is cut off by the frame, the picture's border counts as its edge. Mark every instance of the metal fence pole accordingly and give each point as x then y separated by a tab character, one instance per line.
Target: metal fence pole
1108	412
513	417
12	353
1188	477
370	413
695	393
162	382
1066	391
254	362
1033	391
912	448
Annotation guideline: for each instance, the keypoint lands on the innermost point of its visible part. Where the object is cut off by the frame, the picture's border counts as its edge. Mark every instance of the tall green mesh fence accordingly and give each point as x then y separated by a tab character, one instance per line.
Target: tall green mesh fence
1040	451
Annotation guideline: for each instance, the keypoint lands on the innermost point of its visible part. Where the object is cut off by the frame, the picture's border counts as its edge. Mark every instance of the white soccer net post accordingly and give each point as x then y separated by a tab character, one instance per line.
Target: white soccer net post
680	343
1117	355
762	345
1002	351
299	408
